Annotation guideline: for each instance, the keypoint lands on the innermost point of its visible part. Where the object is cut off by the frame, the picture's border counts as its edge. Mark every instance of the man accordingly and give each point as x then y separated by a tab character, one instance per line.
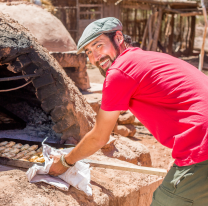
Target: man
168	95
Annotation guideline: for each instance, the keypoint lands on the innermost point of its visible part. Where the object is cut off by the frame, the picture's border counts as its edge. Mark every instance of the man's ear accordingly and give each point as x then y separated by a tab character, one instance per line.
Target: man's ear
119	39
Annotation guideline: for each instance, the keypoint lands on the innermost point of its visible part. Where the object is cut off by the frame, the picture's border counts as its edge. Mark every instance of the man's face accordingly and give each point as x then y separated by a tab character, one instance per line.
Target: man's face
101	52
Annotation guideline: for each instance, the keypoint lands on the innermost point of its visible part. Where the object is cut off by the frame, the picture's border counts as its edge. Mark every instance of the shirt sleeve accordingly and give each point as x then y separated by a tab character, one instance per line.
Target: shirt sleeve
118	89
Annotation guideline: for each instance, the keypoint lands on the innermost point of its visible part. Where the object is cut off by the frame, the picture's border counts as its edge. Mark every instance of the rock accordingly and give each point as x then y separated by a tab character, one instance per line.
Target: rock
123	112
142	152
132	130
128	150
137	122
125	130
122	130
126	118
110	144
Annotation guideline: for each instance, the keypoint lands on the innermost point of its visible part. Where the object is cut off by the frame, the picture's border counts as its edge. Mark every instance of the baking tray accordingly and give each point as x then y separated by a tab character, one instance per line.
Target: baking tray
27	164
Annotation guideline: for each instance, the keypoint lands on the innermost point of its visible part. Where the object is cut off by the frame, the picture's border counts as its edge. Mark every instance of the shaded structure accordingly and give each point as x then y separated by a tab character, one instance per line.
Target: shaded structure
167	26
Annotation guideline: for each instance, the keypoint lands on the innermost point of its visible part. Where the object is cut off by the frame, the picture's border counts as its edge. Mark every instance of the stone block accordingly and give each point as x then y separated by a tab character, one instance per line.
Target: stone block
64	124
43	80
60	111
51	102
66	59
126	118
125	130
122	130
128	150
46	91
132	130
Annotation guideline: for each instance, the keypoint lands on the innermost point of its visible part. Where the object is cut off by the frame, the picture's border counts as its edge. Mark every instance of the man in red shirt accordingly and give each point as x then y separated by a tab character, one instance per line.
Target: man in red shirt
166	94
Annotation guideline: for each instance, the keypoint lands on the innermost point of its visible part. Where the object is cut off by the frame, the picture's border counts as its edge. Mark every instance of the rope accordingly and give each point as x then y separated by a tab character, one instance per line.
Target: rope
8	90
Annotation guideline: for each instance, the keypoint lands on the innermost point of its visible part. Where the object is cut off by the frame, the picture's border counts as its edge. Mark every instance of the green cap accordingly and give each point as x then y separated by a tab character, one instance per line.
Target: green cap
96	28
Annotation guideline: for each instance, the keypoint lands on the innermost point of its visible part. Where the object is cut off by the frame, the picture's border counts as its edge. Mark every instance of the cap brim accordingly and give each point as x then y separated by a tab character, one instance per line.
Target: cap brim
81	49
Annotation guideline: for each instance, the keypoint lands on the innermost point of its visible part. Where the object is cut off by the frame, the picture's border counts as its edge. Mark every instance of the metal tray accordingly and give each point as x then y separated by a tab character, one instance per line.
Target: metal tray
27	164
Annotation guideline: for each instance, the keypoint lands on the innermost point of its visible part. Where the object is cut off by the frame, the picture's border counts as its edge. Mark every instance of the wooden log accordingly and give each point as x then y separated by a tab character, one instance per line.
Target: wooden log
135	25
150	27
174	11
149	45
170	44
78	18
192	34
90	12
127	167
187	34
201	56
192	13
181	33
138	6
157	31
168	27
90	5
145	34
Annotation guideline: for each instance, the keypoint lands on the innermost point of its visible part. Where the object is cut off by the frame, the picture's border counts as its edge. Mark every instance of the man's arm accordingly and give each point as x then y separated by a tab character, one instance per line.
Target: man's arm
92	141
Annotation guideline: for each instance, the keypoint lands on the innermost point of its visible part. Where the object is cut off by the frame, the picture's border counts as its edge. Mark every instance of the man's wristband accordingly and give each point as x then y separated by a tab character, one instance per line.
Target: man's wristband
64	163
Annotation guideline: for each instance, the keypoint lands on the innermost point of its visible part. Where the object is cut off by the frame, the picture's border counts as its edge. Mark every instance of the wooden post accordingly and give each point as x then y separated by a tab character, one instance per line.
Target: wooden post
149	45
150	27
78	17
187	34
150	33
170	44
145	33
201	56
157	31
181	32
192	35
135	25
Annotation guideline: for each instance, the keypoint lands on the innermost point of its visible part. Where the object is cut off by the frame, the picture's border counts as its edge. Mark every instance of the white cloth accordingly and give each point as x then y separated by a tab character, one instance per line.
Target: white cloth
77	176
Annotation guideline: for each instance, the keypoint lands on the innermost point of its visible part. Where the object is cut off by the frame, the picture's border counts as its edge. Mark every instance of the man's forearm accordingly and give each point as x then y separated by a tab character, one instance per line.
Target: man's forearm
90	144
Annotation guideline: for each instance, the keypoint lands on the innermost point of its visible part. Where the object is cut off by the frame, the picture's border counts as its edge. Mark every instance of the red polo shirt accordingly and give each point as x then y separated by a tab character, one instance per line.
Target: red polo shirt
168	95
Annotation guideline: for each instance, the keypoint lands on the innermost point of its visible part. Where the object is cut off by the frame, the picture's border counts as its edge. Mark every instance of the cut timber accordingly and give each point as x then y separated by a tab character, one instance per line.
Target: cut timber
150	27
145	34
170	43
192	13
149	45
192	34
127	167
157	31
138	6
201	56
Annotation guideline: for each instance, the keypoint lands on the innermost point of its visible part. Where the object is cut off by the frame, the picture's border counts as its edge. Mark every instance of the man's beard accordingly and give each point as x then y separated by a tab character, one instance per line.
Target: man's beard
102	71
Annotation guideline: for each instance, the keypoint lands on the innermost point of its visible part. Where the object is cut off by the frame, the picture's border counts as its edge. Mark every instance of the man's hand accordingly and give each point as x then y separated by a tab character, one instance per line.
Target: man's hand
170	165
57	168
